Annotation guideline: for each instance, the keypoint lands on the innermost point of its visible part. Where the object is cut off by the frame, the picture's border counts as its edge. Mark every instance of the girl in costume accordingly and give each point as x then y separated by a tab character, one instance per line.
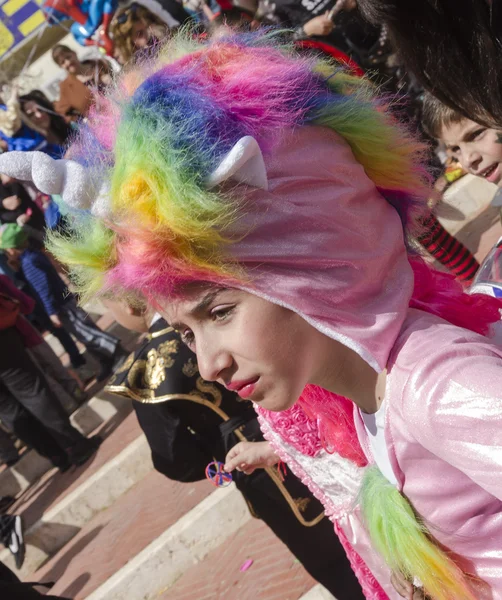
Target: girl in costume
262	201
189	422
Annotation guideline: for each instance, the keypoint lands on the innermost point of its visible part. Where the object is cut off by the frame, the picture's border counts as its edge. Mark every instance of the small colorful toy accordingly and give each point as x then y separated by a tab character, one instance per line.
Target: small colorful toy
216	475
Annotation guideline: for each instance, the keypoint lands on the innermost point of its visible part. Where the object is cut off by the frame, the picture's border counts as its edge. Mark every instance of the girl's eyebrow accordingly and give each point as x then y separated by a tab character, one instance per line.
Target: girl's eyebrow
201	305
204	302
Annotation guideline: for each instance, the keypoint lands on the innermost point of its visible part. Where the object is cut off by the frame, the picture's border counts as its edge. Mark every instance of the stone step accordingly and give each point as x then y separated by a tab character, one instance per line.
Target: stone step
117	535
168	540
87	418
58	525
54	487
275	574
318	592
465	211
184	544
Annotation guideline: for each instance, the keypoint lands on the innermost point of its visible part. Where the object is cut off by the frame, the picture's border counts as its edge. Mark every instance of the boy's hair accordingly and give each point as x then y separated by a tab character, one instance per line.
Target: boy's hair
58	50
436	115
443	44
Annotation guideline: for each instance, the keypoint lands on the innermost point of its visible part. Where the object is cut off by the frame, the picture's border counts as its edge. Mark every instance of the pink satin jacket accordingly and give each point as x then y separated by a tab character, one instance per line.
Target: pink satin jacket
443	427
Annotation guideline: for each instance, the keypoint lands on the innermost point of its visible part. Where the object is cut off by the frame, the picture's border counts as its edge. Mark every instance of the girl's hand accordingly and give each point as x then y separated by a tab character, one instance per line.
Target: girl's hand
248	456
406	589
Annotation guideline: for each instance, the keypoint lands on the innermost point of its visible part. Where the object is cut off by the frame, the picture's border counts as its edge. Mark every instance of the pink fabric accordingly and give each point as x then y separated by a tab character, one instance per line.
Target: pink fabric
443	407
369	583
285	436
30	335
323	242
442	295
335	422
294	426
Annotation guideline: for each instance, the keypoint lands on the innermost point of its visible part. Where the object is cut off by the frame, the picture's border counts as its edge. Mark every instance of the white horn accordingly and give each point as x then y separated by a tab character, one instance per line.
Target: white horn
101	206
79	190
17	164
244	163
65	177
37	167
47	173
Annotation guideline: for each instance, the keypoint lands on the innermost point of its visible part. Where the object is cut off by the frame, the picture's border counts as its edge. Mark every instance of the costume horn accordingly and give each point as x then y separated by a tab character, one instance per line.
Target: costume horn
41	169
67	178
244	164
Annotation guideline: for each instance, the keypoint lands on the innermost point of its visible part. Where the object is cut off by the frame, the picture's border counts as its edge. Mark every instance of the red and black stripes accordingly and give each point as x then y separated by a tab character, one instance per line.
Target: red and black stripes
448	250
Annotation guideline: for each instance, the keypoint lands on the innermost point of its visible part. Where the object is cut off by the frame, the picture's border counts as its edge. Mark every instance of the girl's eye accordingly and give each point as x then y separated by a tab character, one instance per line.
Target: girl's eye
221	313
188	338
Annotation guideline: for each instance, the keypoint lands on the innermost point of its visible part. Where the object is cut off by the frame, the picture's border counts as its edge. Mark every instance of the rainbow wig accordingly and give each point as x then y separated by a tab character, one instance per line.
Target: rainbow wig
158	135
394	527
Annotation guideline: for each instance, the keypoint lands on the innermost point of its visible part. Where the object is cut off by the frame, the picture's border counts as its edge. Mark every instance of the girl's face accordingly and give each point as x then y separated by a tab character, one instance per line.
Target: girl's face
477	148
36	114
262	351
141	34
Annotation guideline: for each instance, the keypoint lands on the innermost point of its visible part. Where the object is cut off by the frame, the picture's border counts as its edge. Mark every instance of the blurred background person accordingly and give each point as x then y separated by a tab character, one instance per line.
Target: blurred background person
44	117
92	72
59	304
16	206
66	387
138	30
28	407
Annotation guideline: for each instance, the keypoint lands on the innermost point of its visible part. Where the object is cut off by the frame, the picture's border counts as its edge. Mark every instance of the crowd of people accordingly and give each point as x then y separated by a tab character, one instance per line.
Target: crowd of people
241	186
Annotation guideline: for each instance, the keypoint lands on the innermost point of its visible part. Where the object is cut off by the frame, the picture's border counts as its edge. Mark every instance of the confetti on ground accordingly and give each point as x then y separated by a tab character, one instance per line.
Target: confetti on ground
245	566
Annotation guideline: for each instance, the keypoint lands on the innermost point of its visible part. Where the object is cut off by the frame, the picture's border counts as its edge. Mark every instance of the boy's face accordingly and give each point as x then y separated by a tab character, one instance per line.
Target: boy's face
477	148
11	202
68	61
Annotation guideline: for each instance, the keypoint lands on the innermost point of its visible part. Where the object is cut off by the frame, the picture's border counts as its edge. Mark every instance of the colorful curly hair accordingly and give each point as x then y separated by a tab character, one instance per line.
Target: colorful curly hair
164	128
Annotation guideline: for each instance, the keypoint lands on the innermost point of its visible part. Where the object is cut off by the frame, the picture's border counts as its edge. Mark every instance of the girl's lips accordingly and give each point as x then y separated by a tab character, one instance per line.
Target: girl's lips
244	388
247	391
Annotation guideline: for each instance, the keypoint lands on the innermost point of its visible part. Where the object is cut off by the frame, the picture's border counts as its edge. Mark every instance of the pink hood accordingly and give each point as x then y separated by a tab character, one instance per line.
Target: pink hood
324	243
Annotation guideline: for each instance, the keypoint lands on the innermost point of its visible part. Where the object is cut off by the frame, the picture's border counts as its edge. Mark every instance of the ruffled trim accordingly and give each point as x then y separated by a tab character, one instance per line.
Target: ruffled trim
369	584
